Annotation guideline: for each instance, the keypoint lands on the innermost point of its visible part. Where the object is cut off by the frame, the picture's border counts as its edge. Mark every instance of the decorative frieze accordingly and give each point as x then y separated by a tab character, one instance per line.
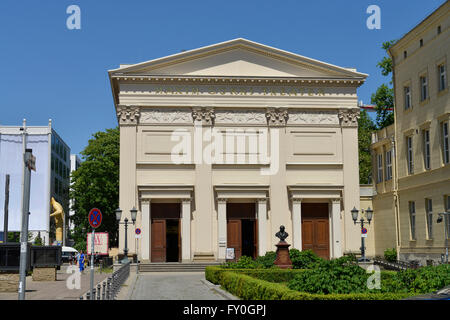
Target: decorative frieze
349	117
276	116
241	117
205	115
313	117
128	114
167	116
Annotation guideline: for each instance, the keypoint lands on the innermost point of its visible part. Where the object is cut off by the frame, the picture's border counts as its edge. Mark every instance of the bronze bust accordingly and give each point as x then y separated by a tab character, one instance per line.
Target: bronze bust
281	234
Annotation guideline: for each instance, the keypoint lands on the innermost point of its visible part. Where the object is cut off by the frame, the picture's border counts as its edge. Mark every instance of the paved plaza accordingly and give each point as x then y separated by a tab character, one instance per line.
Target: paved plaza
55	290
175	286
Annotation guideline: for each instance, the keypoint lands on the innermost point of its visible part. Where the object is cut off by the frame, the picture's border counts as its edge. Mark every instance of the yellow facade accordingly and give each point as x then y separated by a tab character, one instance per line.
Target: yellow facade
411	200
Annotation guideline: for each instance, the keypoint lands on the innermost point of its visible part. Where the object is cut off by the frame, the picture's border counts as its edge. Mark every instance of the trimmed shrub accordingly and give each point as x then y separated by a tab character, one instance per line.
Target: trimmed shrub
267	260
341	275
214	274
248	288
303	259
390	255
244	262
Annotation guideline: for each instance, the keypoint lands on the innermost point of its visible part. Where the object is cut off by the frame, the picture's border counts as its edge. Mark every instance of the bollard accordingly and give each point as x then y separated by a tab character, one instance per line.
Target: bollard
108	288
88	296
103	291
98	292
93	294
81	297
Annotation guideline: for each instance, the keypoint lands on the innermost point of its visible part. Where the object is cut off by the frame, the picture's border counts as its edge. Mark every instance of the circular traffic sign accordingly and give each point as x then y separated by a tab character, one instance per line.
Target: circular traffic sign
95	218
138	231
364	231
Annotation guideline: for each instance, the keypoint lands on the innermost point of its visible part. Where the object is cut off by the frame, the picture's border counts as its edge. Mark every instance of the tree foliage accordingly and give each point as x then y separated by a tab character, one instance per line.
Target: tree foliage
383	98
365	128
96	185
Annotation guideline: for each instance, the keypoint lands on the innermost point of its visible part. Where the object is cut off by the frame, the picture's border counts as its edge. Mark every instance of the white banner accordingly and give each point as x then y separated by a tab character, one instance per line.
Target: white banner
100	243
11	162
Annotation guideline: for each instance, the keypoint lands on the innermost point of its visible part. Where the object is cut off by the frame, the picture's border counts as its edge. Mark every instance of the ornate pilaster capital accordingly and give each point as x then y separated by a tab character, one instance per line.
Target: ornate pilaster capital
336	201
186	200
297	200
222	200
276	117
128	115
349	117
204	115
262	200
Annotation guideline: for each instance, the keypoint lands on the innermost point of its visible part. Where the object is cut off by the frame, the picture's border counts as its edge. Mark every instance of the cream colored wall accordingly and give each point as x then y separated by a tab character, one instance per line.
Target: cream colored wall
384	223
318	145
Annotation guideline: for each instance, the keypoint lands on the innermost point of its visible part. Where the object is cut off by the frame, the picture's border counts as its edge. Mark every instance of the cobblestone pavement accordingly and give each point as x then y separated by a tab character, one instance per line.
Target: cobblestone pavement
174	286
55	290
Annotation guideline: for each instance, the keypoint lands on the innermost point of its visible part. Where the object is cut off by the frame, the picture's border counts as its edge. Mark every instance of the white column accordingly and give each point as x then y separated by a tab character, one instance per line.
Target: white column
144	245
222	228
262	226
336	222
186	230
297	223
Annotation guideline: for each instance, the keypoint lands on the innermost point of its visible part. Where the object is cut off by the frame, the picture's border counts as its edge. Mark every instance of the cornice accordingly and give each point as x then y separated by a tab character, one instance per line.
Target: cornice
218	80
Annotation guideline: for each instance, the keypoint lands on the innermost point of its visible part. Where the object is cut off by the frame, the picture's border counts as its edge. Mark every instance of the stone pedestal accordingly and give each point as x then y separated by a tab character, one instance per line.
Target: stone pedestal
44	274
283	260
9	282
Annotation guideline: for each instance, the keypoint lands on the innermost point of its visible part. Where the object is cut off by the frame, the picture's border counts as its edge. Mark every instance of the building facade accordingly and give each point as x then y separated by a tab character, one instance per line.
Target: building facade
75	163
411	159
51	178
220	146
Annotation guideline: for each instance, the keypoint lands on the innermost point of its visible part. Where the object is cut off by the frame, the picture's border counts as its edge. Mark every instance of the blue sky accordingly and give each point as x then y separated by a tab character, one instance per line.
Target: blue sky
49	71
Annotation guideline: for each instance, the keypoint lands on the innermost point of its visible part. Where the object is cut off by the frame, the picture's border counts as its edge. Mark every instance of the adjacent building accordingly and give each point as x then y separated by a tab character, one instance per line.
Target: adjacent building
75	163
221	145
412	157
51	178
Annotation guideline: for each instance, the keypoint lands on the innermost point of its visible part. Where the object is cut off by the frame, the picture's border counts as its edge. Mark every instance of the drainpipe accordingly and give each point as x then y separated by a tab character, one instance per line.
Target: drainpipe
395	171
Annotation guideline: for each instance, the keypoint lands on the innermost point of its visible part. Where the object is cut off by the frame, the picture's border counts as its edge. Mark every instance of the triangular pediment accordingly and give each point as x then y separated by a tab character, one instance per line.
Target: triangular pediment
238	58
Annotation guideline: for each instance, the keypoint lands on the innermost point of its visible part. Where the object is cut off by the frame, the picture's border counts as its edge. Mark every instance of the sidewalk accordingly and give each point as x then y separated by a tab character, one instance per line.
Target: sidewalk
56	290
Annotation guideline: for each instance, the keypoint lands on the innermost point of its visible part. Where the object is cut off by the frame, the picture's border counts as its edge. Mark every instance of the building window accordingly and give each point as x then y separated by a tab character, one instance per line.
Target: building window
380	168
442	77
439	30
426	149
421	42
445	142
429	214
407	94
409	155
389	165
423	88
405	54
412	219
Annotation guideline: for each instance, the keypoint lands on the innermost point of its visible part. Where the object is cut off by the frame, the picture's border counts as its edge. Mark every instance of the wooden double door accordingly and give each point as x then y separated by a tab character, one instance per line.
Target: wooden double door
165	232
242	231
316	229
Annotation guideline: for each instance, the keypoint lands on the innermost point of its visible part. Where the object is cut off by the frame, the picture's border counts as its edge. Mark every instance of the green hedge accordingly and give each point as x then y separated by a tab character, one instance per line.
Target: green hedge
249	288
214	274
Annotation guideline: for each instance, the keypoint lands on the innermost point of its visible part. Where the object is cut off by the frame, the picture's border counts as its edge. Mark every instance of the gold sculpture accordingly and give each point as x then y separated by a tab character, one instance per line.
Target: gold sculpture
58	214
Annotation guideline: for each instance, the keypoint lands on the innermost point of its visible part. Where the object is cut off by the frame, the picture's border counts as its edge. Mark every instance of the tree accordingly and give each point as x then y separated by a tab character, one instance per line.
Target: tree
383	98
96	185
365	128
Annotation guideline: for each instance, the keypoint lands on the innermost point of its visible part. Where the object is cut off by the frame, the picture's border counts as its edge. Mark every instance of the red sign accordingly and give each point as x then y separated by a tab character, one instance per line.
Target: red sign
95	218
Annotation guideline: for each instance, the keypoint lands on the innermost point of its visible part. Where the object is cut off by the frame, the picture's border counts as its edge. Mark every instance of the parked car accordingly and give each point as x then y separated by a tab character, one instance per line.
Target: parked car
69	254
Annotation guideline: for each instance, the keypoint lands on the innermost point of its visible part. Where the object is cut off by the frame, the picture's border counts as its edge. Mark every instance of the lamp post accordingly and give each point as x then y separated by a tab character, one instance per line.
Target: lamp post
125	222
368	213
444	216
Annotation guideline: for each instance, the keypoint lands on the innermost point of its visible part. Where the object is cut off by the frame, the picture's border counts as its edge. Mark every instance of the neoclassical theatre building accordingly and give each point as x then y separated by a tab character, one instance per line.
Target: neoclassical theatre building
221	145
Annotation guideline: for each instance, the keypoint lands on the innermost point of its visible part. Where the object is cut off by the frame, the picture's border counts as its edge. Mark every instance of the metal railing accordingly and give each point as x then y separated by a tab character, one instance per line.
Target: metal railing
397	265
109	288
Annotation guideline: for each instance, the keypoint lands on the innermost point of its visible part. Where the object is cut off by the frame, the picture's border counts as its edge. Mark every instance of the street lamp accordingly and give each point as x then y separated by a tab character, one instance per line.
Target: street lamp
444	216
125	222
368	214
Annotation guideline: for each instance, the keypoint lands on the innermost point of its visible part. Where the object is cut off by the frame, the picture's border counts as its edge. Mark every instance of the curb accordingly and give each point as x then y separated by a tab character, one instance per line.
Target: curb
216	288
